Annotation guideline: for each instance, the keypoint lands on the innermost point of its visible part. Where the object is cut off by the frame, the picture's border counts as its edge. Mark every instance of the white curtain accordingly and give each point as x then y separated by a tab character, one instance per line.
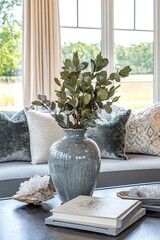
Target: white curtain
41	48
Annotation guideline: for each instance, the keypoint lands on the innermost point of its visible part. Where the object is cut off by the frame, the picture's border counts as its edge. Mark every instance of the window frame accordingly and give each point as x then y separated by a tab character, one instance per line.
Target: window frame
108	37
107	40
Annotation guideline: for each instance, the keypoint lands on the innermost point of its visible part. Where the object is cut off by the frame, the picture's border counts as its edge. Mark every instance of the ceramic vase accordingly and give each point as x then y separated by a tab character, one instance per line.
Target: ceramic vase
74	163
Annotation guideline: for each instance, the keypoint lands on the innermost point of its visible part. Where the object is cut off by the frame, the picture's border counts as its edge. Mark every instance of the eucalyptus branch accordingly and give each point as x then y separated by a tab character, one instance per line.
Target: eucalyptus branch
79	95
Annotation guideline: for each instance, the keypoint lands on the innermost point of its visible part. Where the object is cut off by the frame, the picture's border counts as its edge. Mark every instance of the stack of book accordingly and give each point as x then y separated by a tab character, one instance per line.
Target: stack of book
98	214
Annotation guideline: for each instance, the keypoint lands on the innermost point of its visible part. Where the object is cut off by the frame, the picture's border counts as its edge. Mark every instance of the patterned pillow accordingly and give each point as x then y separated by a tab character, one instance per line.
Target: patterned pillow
110	137
14	134
143	131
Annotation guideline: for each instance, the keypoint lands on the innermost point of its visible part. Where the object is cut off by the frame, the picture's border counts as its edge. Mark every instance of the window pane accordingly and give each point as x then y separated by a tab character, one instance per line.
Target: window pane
126	38
136	50
68	12
136	95
86	41
89	13
80	35
124	14
144	15
10	55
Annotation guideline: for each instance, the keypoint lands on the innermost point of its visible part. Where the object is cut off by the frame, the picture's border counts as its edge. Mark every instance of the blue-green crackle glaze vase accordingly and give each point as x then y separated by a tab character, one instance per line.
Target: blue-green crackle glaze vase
74	163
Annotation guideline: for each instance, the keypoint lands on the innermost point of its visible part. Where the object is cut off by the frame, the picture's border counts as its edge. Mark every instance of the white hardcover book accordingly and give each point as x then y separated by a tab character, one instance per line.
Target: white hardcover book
109	231
100	211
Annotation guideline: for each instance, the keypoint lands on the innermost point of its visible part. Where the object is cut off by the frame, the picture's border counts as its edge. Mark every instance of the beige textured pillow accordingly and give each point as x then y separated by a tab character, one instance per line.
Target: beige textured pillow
143	131
43	130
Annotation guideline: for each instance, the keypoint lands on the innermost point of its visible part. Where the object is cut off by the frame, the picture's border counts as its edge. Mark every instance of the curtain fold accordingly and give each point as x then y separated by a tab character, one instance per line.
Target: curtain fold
41	48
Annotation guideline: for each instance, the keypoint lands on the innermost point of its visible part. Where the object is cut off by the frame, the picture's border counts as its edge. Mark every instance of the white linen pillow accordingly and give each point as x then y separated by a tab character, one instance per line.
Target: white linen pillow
43	130
143	131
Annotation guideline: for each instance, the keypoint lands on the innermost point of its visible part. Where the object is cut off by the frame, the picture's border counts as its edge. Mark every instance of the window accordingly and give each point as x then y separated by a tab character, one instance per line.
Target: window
10	55
80	27
133	43
123	31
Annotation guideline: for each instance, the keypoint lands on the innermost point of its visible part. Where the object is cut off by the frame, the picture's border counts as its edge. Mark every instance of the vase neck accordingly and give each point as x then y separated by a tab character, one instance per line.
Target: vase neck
74	133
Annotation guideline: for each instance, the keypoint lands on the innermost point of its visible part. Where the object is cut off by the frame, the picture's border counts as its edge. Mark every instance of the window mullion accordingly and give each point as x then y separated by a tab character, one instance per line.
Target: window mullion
107	33
77	13
156	77
134	15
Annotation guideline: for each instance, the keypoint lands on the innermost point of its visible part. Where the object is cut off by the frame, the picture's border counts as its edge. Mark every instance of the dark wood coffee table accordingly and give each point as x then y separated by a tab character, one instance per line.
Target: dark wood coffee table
21	221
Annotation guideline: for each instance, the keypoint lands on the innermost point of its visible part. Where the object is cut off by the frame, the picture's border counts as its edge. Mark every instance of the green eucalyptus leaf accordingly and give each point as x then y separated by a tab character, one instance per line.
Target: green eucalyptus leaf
59	118
89	90
93	66
111	76
100	62
103	94
86	74
87	81
42	97
115	99
71	89
85	65
72	102
48	103
73	81
107	83
111	92
86	112
109	103
57	81
37	103
99	57
101	77
61	94
67	63
68	107
86	98
72	70
61	106
125	71
64	74
75	61
79	67
75	54
117	77
106	61
53	105
108	108
98	68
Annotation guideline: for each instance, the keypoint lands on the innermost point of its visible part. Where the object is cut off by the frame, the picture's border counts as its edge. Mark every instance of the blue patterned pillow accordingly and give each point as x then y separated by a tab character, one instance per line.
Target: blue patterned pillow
14	135
110	137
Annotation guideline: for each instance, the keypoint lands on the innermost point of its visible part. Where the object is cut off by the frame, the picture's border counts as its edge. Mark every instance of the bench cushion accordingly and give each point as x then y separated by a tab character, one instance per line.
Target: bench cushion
137	169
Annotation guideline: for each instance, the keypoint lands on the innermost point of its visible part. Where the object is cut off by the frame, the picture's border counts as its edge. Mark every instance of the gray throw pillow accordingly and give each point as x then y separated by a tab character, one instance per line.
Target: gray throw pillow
14	135
110	137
